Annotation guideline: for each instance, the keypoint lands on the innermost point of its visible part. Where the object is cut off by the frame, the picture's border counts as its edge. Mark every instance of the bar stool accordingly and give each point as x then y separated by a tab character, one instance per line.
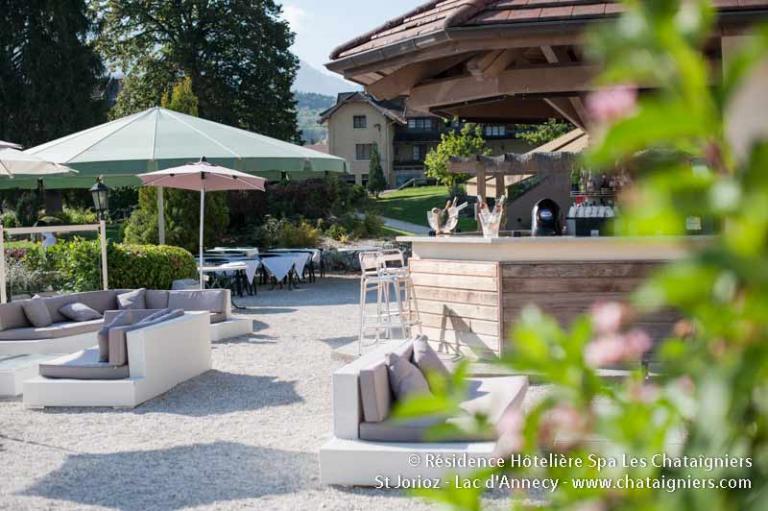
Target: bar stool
372	278
393	266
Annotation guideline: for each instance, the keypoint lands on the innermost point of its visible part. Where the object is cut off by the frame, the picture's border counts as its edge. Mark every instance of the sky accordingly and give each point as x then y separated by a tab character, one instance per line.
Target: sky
322	25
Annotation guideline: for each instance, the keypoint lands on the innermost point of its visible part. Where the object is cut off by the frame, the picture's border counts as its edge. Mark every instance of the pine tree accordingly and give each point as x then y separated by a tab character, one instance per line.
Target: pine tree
376	180
50	77
237	55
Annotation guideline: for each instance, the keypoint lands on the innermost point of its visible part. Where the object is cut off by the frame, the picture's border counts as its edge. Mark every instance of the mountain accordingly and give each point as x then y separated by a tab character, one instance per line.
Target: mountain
311	79
308	106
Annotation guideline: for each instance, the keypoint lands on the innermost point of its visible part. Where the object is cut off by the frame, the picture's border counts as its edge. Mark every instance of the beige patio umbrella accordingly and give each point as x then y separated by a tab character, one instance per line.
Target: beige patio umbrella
14	162
202	176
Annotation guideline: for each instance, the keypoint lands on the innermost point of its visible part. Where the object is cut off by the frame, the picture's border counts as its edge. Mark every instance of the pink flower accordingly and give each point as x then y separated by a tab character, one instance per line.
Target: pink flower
510	429
636	343
608	317
563	427
611	104
644	392
613	349
605	351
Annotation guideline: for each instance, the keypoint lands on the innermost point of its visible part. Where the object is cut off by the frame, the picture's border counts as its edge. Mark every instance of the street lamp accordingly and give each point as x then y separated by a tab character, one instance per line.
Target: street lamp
100	194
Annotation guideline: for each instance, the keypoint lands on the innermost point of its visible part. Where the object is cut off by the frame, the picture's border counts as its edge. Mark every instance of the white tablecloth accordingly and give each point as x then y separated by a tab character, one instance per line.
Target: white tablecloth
301	259
279	266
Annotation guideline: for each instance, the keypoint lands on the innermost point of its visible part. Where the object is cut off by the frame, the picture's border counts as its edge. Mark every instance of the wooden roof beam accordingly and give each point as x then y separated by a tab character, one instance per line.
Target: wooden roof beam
400	82
579	113
545	80
566	110
492	63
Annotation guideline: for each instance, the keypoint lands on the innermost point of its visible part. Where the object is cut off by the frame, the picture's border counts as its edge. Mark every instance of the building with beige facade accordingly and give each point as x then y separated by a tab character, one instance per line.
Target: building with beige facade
403	136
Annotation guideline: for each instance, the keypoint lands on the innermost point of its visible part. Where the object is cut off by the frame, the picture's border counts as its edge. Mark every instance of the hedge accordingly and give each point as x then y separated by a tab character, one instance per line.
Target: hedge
76	265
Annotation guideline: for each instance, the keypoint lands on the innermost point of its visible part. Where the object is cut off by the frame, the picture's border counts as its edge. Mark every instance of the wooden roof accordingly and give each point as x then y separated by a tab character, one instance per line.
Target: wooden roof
438	16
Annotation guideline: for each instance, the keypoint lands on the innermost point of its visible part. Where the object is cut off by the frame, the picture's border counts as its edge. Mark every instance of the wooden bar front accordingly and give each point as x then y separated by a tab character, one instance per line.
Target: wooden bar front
472	304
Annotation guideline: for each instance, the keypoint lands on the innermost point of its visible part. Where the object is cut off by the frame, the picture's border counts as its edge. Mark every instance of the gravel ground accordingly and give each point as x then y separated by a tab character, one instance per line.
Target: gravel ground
243	436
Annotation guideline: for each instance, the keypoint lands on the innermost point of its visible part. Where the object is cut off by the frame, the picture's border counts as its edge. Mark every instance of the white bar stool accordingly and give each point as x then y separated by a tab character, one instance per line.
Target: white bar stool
373	278
393	266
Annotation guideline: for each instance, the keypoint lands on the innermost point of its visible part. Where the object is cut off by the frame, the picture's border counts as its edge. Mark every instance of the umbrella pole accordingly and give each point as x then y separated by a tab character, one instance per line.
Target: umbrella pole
202	223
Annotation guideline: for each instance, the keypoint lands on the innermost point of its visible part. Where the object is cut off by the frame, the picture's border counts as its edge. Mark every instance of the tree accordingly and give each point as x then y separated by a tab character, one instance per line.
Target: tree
467	142
376	180
655	433
50	76
182	214
538	134
237	55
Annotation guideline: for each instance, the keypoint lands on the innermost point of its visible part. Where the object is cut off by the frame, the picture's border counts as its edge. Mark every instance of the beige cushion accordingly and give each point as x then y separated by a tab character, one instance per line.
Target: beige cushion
491	396
118	345
375	394
99	301
405	379
156	299
427	360
212	300
54	331
83	365
123	318
12	316
79	312
37	312
132	300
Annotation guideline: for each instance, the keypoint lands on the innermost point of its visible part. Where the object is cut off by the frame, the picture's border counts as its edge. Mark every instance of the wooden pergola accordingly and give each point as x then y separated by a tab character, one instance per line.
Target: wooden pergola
496	60
511	164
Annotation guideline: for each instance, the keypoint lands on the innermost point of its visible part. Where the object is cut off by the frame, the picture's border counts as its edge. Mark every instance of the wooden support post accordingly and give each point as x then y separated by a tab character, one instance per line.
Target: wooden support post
103	243
160	216
3	293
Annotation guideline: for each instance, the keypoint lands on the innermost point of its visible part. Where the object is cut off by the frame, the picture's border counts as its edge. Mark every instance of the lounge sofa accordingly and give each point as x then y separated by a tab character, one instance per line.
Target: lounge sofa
18	336
368	445
148	354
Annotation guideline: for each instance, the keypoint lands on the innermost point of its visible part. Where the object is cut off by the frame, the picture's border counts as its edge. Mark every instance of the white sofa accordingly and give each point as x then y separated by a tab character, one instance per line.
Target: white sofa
347	459
19	337
160	356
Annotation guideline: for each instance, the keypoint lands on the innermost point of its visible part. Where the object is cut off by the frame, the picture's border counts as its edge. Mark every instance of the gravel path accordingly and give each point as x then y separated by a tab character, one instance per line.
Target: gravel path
243	436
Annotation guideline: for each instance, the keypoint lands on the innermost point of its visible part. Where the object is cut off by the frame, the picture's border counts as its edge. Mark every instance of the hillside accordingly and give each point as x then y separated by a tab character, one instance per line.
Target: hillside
309	106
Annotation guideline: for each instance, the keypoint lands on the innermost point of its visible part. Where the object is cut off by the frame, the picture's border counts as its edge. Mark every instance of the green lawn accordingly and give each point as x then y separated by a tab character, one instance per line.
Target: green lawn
411	205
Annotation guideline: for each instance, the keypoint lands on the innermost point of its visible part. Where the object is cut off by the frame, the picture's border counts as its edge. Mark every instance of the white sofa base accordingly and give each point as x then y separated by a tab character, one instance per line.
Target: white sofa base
44	346
232	327
348	460
391	465
161	356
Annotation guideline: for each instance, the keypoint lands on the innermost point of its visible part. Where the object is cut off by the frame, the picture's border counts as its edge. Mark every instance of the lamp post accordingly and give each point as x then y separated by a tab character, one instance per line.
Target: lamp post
100	194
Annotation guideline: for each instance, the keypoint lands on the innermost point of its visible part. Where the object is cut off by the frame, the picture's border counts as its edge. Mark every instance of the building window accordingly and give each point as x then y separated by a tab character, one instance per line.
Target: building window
418	152
363	151
421	124
359	122
495	130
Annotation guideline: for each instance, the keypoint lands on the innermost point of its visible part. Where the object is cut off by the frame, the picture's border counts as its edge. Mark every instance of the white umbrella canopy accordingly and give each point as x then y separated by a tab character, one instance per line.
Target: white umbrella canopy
11	145
14	162
202	176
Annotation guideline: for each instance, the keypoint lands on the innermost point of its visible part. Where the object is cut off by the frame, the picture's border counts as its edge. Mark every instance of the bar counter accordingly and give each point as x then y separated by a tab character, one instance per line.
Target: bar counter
470	290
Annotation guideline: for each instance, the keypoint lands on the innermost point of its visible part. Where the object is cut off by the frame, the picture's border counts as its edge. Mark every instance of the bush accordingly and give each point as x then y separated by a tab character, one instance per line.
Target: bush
130	266
9	219
182	214
286	234
337	232
77	216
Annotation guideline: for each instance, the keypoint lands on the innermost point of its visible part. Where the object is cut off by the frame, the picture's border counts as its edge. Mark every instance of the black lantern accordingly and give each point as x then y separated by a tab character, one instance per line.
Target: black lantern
100	194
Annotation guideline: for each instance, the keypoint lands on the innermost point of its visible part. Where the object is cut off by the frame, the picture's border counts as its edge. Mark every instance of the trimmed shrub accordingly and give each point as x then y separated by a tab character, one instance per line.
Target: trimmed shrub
130	266
9	219
286	234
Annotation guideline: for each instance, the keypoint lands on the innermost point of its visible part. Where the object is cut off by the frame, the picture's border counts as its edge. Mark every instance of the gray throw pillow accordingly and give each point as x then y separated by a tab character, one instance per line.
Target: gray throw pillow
79	312
132	300
426	359
405	379
37	312
122	319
